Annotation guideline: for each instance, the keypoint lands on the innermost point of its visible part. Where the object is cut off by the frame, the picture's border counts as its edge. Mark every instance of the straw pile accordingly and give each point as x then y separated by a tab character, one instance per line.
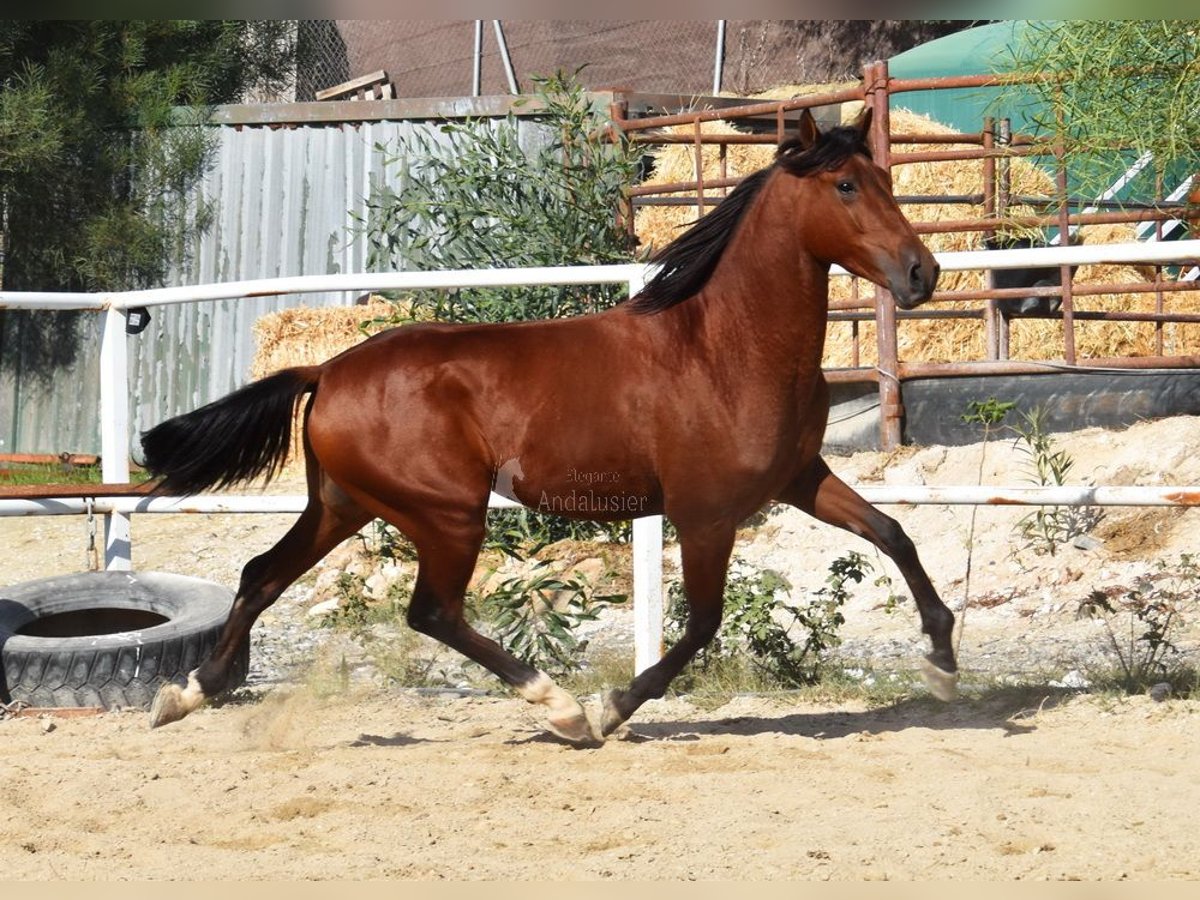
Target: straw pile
304	336
943	340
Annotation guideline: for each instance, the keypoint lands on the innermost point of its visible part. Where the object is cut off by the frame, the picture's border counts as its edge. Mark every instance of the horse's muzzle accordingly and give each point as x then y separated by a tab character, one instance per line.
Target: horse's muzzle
912	281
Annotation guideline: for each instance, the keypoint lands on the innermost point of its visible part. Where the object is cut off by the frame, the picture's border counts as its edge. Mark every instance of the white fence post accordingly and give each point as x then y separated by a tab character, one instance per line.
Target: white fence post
647	570
647	592
114	433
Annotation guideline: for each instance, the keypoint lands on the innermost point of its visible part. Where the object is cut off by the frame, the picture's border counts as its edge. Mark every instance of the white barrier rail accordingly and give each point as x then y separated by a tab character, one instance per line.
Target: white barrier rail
1165	252
647	532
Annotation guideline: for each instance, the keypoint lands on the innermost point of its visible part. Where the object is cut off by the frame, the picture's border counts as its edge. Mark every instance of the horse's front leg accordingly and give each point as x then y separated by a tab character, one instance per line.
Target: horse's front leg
824	496
704	554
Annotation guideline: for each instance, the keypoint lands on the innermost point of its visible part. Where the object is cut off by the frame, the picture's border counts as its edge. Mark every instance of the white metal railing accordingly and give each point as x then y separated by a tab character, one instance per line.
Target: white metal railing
114	407
647	532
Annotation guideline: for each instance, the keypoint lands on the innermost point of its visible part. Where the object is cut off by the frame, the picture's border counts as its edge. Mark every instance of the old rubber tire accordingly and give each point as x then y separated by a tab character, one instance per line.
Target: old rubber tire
108	639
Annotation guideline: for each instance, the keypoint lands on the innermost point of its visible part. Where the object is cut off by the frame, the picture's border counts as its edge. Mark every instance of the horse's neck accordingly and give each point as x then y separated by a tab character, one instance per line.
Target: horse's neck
767	302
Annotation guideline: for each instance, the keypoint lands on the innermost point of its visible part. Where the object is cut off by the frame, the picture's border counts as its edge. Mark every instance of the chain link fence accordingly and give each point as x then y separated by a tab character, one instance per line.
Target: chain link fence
437	58
321	58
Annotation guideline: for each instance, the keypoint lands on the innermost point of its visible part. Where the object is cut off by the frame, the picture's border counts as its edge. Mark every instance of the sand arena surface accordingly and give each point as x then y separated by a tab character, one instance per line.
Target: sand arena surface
369	782
403	787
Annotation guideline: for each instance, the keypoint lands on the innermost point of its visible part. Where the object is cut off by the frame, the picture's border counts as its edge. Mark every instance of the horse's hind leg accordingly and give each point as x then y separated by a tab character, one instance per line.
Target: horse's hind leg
329	518
447	549
823	495
705	559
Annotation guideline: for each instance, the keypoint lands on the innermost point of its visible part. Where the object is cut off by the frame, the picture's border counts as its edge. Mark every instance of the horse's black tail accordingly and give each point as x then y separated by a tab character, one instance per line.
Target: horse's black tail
237	438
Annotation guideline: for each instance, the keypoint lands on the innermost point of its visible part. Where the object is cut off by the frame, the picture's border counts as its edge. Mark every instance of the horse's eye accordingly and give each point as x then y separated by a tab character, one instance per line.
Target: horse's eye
845	187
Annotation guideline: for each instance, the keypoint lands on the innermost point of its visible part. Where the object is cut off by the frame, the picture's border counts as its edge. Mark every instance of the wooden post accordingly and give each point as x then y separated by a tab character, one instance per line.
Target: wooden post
1064	240
991	314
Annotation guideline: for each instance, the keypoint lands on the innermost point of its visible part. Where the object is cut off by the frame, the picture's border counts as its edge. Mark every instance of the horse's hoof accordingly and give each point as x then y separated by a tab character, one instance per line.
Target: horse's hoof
576	730
612	717
942	684
168	705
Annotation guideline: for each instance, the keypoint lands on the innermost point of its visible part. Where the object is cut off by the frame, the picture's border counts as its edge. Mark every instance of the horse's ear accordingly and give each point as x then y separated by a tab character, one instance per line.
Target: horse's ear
807	132
863	124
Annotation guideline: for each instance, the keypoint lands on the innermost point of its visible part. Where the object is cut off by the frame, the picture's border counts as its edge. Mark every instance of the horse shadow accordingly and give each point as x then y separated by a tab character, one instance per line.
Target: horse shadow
1009	712
398	739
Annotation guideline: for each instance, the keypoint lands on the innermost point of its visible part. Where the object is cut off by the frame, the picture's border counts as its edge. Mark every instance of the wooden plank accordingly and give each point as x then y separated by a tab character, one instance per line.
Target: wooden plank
343	111
51	491
354	84
49	459
406	108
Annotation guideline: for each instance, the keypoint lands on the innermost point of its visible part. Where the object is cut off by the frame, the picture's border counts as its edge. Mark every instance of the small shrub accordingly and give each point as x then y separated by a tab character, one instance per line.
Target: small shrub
987	414
535	618
353	609
387	542
757	622
1048	527
357	611
521	533
480	196
1153	610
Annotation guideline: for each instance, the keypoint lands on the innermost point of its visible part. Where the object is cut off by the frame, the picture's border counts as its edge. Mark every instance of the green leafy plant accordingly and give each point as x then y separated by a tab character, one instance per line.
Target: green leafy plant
398	653
758	622
1048	527
988	414
480	196
356	610
385	541
894	599
1154	610
1093	80
521	533
536	617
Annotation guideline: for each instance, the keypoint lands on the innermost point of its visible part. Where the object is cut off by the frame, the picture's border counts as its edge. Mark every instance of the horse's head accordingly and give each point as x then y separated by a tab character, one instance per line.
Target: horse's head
848	213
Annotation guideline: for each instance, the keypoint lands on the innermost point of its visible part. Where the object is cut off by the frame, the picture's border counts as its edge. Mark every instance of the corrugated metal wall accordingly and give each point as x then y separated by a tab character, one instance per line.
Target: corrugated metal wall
285	198
285	202
49	389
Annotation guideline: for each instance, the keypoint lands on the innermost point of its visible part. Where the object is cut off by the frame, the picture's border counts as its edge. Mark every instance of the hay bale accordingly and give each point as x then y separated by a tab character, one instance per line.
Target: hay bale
307	336
657	226
941	340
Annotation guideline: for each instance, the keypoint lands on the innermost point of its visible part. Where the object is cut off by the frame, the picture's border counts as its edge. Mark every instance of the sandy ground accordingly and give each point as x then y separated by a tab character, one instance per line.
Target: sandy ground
418	788
369	783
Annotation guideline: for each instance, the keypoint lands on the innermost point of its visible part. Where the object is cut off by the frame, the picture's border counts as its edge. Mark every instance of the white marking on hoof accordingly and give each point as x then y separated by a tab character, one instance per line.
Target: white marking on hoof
942	684
172	702
567	718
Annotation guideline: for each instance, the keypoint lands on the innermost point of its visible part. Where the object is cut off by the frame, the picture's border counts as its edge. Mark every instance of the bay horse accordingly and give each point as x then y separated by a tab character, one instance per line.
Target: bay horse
701	398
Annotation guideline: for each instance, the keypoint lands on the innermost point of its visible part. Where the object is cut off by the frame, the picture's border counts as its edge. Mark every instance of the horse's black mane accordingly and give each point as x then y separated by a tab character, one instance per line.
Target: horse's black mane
689	260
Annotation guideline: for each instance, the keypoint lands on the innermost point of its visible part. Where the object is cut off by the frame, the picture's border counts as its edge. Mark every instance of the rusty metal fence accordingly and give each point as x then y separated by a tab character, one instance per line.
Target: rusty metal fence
993	147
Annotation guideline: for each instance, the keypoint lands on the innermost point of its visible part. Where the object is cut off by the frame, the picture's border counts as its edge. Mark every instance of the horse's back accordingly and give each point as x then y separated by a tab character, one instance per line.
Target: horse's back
430	391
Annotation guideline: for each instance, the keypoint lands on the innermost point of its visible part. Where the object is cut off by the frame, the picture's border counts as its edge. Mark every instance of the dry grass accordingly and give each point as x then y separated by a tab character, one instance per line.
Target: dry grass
306	336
